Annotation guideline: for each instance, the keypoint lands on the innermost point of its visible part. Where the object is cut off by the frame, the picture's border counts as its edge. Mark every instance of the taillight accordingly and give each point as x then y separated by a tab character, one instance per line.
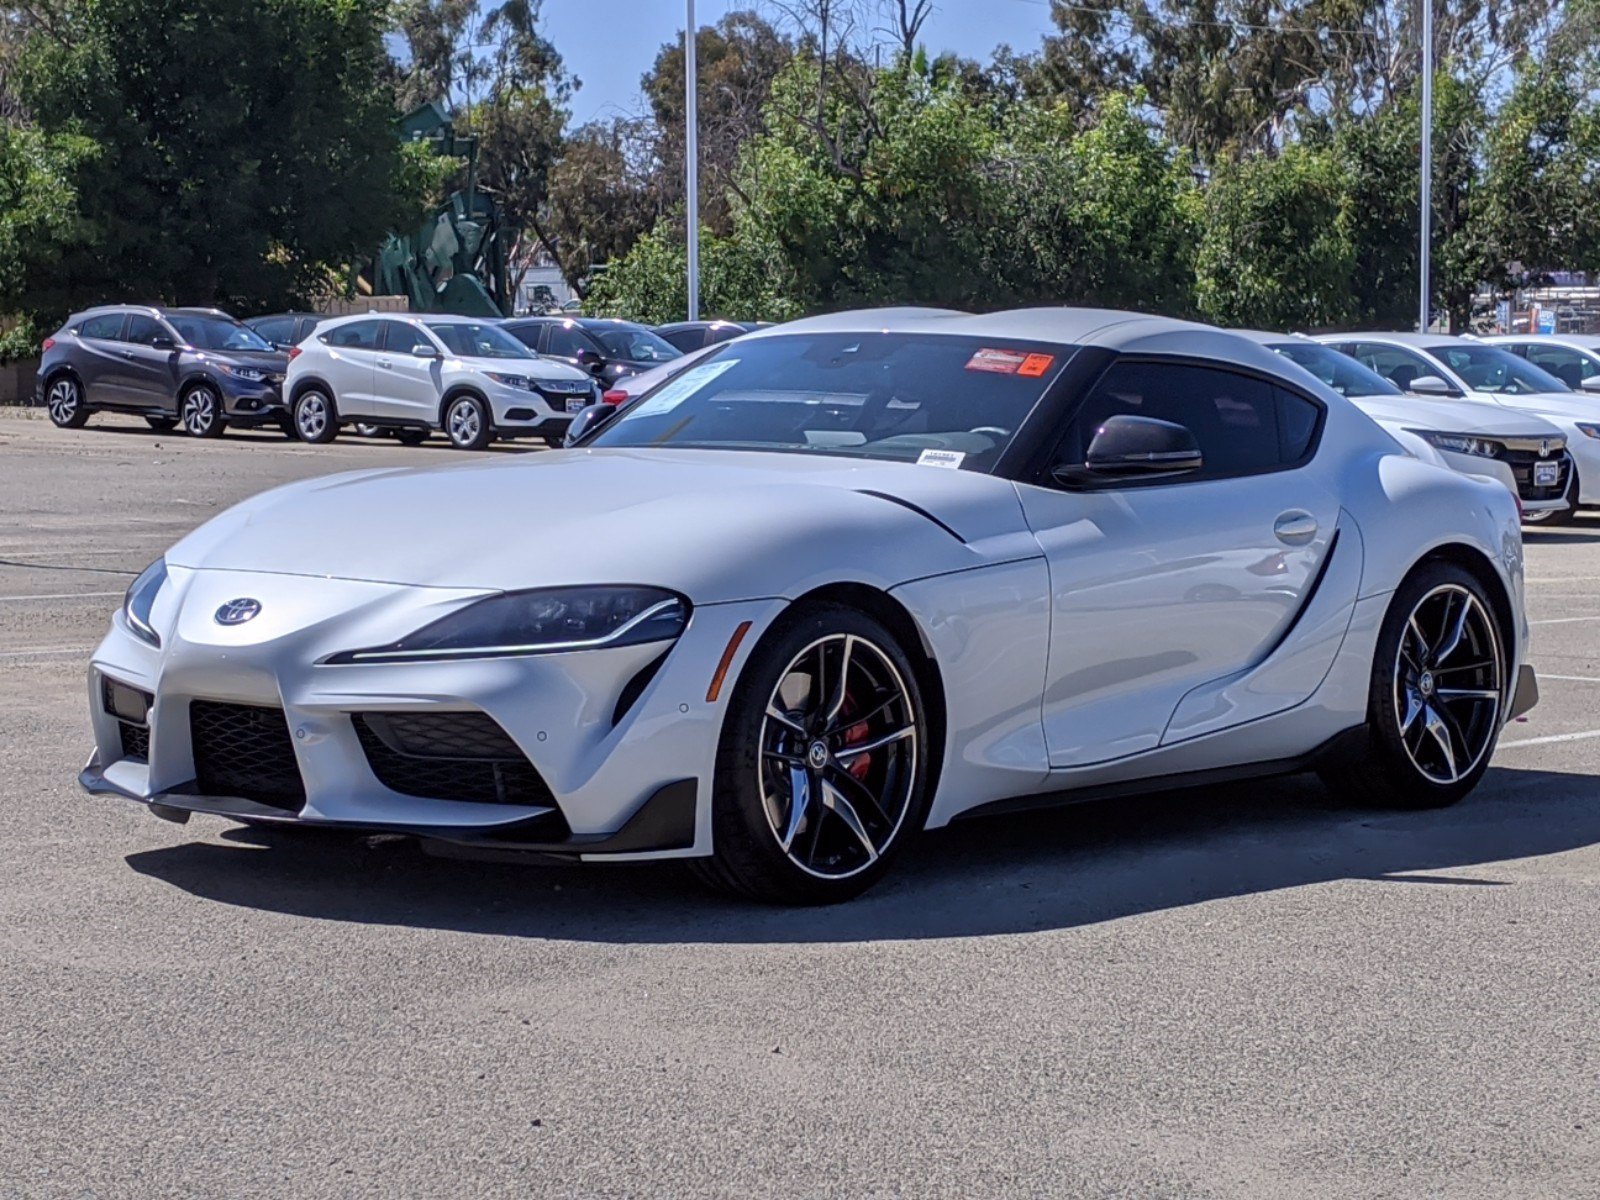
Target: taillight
47	344
294	353
614	396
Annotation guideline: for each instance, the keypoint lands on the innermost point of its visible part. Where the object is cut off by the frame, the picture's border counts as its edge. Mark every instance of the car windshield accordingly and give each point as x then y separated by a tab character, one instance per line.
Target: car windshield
468	339
1339	371
936	399
217	333
635	345
1490	369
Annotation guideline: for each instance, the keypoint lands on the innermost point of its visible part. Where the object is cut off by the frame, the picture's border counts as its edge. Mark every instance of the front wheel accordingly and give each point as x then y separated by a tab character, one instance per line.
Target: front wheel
466	423
314	417
201	412
65	403
822	769
1437	696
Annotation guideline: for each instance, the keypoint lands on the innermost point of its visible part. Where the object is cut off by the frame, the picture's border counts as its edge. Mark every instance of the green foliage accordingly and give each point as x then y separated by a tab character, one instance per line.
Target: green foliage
740	278
39	215
246	147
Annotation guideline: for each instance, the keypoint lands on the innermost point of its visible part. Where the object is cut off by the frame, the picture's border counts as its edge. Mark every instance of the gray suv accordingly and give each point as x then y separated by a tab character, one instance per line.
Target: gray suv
197	366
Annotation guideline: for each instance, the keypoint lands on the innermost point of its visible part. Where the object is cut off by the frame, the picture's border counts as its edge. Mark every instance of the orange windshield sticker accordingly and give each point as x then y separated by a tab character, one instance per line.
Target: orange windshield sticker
1000	362
1036	364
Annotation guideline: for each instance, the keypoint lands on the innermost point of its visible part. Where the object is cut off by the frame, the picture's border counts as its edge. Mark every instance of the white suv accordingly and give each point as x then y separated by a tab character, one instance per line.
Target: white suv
416	373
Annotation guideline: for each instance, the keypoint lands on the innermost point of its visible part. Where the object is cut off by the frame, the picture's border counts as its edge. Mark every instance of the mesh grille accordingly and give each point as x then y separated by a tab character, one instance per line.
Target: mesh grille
135	740
245	750
449	756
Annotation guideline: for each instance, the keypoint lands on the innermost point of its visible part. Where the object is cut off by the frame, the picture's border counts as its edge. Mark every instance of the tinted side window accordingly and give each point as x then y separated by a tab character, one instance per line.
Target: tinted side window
528	335
143	330
1244	425
687	339
1398	366
565	341
278	329
107	325
305	327
358	335
1565	364
398	337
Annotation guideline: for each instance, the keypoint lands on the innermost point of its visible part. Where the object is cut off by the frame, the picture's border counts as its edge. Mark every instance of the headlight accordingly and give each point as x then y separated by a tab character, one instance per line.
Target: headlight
141	598
1459	443
545	621
243	372
1588	430
511	381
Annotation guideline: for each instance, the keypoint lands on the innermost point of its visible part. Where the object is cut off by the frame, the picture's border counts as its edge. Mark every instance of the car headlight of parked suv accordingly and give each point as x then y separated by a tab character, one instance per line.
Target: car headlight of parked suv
1588	430
251	373
542	621
1459	443
521	382
141	599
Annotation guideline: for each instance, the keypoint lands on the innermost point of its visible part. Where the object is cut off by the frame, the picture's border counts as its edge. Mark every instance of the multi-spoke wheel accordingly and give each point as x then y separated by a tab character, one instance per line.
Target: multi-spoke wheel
822	769
64	401
466	423
200	410
315	418
1438	693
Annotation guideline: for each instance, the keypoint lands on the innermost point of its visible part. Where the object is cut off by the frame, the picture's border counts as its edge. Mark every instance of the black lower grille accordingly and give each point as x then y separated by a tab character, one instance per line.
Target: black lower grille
245	750
135	740
462	756
1522	463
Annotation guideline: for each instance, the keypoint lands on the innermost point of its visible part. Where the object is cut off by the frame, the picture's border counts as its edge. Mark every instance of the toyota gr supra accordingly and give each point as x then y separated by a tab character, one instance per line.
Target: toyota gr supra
840	581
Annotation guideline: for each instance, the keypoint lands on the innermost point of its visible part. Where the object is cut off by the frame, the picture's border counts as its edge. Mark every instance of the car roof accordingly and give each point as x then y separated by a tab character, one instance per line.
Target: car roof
1583	341
719	322
1397	339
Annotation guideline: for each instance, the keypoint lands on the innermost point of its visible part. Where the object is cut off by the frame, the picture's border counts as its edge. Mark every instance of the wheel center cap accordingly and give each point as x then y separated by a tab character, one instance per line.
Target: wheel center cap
1425	683
817	755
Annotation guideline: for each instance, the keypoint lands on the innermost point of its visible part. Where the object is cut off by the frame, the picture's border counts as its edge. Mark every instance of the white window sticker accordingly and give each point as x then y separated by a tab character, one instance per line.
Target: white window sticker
681	388
940	458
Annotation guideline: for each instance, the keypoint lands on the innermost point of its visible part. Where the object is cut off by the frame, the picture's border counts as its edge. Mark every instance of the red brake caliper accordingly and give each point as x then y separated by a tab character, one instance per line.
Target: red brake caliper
854	736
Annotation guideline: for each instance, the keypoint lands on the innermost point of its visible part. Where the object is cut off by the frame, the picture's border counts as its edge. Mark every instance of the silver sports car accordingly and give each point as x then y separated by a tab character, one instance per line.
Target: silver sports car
840	581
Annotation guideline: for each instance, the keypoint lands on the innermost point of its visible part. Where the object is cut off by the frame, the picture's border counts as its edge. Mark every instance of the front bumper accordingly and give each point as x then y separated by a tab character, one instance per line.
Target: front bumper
516	411
248	401
618	772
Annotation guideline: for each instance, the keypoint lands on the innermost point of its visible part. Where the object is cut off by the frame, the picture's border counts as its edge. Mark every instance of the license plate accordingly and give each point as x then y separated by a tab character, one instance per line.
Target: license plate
1546	474
577	403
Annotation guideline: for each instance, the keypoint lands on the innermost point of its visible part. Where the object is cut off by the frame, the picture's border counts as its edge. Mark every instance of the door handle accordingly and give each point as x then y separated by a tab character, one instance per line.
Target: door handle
385	363
1295	528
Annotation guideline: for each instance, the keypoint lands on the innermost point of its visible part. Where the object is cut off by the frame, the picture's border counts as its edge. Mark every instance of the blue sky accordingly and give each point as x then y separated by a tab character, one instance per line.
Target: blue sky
609	44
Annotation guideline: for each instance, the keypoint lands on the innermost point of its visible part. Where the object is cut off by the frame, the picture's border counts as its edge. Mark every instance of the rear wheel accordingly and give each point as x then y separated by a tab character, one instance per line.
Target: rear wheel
412	437
466	423
1437	695
821	772
162	424
315	418
200	410
64	401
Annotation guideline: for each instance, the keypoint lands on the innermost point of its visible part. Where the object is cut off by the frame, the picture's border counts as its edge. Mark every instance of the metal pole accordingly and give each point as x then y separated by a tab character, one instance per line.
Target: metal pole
1426	308
691	153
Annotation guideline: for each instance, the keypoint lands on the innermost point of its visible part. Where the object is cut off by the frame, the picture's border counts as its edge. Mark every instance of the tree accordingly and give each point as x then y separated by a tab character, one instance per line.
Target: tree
39	219
246	149
605	195
740	277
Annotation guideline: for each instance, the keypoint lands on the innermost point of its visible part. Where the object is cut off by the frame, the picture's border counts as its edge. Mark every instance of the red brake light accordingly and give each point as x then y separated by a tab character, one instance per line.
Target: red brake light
294	352
48	342
614	396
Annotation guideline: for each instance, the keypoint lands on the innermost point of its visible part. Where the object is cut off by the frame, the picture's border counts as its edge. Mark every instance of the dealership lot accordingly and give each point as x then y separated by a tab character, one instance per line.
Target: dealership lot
1245	992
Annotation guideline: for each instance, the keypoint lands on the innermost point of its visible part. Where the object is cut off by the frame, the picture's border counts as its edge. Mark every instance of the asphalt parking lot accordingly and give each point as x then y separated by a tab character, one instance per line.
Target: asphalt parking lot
1249	992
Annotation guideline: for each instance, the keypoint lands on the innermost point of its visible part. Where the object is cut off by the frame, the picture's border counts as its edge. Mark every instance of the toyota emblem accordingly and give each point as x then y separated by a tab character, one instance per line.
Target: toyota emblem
237	612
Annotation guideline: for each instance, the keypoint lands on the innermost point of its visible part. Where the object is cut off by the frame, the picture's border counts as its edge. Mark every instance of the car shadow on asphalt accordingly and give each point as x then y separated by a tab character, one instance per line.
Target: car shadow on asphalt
1044	870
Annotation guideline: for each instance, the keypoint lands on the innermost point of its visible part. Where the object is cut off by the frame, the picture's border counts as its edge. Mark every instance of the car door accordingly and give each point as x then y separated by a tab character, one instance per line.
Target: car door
99	359
148	374
1161	587
1570	366
405	387
563	341
1398	364
353	349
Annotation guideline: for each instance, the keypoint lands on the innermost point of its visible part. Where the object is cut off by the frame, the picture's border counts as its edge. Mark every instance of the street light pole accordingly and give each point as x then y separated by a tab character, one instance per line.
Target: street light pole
691	151
1426	7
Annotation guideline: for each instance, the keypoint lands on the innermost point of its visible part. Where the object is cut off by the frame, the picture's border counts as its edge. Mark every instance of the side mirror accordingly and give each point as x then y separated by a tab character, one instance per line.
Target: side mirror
423	350
1130	447
587	421
162	342
591	360
1591	384
1430	385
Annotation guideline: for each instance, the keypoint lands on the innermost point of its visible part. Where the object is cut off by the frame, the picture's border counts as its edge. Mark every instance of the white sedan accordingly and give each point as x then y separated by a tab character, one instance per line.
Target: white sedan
1444	367
840	581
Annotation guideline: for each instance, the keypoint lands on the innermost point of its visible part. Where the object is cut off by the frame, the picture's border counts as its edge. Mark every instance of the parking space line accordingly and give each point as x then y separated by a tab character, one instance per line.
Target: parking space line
1550	738
1565	620
1571	678
59	596
44	650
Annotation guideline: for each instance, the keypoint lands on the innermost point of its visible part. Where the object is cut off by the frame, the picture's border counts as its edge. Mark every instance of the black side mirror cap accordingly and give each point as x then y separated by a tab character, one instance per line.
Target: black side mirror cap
587	421
1128	447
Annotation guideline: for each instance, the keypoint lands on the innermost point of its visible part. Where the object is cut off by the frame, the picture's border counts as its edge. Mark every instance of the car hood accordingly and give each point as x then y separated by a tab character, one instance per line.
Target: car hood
1557	406
542	369
1454	416
261	360
714	525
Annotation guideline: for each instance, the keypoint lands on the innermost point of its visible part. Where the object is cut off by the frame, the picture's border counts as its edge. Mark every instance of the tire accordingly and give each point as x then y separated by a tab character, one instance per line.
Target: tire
200	411
286	426
64	401
1428	745
411	437
785	739
316	417
1551	518
162	424
554	440
363	429
467	424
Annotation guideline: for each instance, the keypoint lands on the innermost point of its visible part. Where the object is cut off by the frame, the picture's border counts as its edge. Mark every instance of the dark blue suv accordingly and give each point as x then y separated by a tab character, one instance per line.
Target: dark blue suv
195	366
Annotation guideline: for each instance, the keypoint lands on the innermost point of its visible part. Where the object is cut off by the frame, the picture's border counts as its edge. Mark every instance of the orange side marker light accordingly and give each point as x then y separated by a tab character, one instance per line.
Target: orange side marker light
715	689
